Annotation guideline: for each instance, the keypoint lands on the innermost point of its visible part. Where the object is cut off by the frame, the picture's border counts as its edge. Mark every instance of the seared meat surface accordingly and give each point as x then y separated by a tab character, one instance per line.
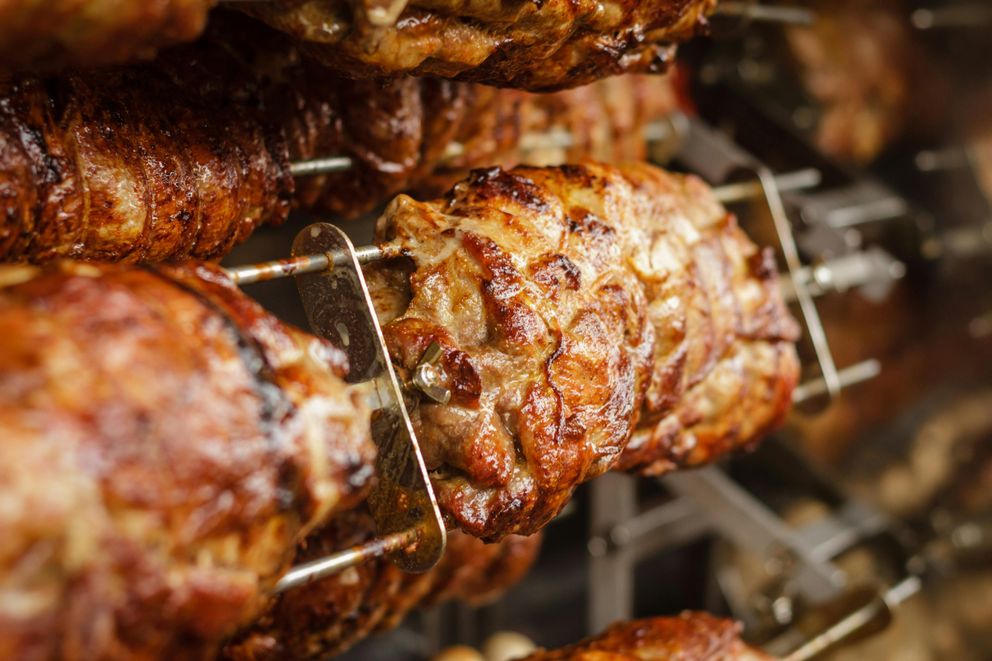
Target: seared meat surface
167	444
186	156
575	305
537	46
688	637
45	36
330	616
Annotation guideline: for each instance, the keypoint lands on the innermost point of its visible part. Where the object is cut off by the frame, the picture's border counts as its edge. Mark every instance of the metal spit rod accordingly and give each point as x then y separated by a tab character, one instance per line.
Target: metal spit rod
756	12
953	17
283	268
311	572
873	616
529	142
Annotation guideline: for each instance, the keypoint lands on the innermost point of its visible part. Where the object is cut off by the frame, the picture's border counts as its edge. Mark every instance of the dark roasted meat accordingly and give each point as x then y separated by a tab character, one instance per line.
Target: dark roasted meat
575	305
537	46
167	444
688	637
328	617
77	33
186	156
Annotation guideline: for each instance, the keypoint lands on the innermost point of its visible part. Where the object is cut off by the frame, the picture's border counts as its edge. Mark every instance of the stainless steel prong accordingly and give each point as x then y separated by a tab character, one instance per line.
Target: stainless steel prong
754	11
316	166
940	160
310	572
283	268
954	17
872	615
846	377
786	183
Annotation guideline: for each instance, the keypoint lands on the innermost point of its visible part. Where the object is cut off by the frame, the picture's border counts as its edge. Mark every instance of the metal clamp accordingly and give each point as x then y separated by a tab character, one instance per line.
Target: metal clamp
339	308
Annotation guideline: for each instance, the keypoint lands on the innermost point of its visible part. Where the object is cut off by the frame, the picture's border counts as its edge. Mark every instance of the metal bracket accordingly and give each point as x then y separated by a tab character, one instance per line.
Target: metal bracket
339	308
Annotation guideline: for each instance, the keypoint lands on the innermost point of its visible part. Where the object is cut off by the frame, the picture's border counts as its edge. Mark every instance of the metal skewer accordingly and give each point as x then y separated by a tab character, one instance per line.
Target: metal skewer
971	15
872	616
753	11
312	572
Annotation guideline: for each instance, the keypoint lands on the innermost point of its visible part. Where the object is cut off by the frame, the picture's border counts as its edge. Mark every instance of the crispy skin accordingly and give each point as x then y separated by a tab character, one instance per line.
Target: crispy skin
46	36
166	446
148	163
537	46
688	637
574	305
185	157
330	616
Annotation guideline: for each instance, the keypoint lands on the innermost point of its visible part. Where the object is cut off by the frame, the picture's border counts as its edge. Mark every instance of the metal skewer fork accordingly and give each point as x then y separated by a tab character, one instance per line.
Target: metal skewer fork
333	290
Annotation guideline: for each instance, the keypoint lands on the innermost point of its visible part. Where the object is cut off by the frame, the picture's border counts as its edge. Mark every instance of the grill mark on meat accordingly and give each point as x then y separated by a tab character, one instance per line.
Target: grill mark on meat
559	431
496	183
554	270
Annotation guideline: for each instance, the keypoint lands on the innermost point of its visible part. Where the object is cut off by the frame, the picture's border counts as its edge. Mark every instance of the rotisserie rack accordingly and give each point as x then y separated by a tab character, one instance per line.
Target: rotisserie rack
543	326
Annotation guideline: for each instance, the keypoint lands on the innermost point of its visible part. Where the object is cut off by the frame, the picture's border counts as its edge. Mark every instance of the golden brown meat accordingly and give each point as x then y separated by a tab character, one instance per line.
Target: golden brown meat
166	446
186	156
573	305
688	637
537	46
77	33
328	617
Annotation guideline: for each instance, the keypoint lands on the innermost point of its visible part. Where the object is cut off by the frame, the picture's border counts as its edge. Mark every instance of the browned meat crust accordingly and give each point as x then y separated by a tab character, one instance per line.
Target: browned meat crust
185	157
574	305
166	445
537	46
330	616
49	35
688	637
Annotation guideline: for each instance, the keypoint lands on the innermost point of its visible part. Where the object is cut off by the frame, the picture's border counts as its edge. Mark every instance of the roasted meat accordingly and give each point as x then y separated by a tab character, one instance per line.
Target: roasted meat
688	637
44	36
328	617
537	46
186	156
870	76
573	306
167	444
